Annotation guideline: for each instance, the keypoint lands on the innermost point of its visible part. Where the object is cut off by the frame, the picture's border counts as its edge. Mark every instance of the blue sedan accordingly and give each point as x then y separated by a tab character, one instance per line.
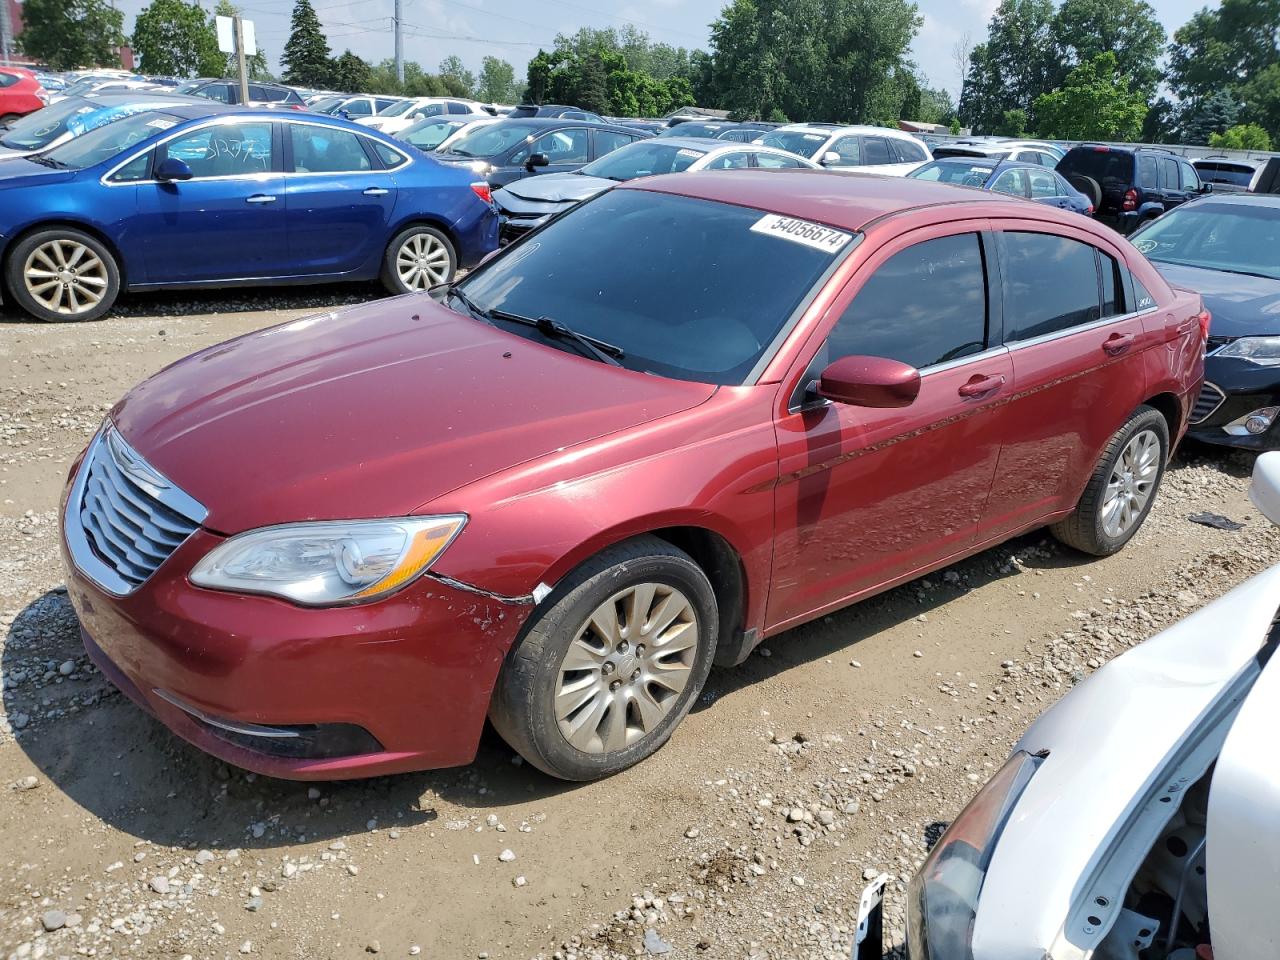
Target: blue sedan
1028	180
205	196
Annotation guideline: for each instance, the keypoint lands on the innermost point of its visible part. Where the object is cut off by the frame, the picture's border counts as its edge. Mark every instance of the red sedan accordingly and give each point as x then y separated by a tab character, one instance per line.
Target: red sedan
691	414
20	94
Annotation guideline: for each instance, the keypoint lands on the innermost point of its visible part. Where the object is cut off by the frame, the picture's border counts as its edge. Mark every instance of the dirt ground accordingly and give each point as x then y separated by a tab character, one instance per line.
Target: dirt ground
837	751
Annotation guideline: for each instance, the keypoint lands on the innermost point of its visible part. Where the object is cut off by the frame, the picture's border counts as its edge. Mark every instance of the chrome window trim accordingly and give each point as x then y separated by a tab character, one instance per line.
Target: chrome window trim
987	354
1079	328
106	181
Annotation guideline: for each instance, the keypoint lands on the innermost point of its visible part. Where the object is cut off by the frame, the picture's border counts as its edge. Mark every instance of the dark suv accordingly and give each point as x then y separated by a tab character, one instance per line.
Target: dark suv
260	94
1130	185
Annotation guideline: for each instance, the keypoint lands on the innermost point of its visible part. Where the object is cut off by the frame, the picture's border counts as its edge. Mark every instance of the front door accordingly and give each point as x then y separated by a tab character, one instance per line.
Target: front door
869	496
226	222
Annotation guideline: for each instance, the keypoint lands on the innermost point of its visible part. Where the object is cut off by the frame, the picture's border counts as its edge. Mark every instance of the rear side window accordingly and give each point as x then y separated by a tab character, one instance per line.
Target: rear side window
326	150
1147	175
1043	184
1168	173
607	141
924	305
1103	165
907	152
390	157
876	151
1012	182
1050	284
215	91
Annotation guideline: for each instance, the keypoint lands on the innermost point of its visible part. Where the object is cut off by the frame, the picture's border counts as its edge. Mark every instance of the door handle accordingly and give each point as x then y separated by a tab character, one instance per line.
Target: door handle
261	198
1118	343
980	386
376	192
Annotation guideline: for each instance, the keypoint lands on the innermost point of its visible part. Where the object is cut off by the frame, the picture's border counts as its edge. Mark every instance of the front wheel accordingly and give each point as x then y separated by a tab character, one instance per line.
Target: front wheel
610	664
62	274
417	259
1122	489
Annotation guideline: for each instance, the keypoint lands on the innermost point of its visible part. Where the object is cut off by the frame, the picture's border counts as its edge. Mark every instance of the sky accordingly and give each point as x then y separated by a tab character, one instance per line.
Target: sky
514	29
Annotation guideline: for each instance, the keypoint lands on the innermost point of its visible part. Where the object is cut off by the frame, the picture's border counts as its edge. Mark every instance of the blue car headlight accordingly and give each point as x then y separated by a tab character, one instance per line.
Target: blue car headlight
942	899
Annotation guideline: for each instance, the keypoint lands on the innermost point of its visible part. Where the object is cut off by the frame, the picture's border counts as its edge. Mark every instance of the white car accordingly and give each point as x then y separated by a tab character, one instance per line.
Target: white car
400	115
851	149
353	108
436	133
1140	815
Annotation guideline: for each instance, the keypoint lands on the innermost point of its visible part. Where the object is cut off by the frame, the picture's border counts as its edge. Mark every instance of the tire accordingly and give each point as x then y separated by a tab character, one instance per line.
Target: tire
1089	187
417	259
9	118
600	727
56	273
1108	516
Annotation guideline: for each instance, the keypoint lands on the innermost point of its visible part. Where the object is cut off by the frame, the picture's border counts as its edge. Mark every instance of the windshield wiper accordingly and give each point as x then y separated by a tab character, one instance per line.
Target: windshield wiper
46	161
601	350
472	307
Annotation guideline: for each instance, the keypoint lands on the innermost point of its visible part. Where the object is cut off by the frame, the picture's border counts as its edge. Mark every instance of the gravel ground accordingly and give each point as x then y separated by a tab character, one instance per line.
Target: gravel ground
838	751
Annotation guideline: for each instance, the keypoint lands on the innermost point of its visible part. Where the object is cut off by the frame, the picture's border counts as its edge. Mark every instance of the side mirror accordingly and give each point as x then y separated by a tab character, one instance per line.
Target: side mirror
537	160
1206	188
1264	491
830	159
874	382
171	169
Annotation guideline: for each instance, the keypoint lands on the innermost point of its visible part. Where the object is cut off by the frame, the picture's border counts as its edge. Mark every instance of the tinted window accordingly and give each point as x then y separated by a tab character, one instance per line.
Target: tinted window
1100	163
1051	283
562	146
876	151
326	150
1189	179
908	152
223	150
216	91
1112	287
685	287
1168	173
257	93
1147	176
1012	182
607	141
459	108
1027	156
925	305
391	158
381	103
1044	184
359	108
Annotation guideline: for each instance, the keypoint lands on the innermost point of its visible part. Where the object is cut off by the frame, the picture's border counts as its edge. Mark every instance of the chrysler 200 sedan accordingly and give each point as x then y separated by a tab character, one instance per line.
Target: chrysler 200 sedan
558	495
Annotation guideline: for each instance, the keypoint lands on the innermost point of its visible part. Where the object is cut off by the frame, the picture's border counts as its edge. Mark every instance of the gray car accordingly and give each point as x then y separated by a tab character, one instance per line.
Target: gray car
1140	815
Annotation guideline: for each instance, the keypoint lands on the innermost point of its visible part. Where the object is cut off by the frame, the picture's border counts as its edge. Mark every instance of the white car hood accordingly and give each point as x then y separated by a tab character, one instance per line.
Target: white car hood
558	187
1108	740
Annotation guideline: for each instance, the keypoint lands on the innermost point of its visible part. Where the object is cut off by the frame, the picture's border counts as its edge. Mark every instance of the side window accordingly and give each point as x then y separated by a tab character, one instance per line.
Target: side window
1027	156
458	108
1043	184
380	104
770	161
430	110
359	108
1189	179
562	146
876	151
850	151
924	305
1113	304
1050	284
257	93
8	79
1147	173
730	161
139	168
1168	173
390	157
223	150
574	115
907	152
1012	182
607	141
326	150
216	91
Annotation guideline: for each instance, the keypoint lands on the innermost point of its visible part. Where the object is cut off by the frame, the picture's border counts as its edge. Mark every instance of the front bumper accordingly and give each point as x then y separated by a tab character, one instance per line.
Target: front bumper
512	228
1233	389
405	681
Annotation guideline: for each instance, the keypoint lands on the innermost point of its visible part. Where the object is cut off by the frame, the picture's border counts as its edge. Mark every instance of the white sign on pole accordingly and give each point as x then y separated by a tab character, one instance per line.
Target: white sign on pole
226	35
250	40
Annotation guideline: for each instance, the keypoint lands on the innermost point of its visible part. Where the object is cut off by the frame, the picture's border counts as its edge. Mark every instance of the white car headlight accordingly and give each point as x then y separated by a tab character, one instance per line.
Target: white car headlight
1264	351
328	562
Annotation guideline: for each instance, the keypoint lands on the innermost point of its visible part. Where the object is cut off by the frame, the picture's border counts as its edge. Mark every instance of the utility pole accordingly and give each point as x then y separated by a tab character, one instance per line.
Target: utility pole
240	64
6	32
399	24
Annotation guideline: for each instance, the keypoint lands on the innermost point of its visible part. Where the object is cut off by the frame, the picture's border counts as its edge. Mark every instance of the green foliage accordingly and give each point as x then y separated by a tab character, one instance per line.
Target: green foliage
1096	102
497	82
955	126
66	34
174	38
1216	114
1013	123
1129	29
1246	136
1018	63
306	59
458	80
1216	50
1261	100
351	72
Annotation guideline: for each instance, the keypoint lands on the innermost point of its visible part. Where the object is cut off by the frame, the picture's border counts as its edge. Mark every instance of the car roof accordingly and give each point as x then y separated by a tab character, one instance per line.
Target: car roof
847	201
1241	199
125	97
566	122
833	128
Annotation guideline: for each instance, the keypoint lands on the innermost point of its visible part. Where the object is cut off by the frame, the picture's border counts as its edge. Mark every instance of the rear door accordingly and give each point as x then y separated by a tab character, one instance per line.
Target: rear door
338	199
1077	367
1046	188
1171	192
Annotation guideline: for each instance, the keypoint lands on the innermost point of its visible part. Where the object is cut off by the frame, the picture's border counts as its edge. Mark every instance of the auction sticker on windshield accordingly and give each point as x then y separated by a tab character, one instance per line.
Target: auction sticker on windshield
802	231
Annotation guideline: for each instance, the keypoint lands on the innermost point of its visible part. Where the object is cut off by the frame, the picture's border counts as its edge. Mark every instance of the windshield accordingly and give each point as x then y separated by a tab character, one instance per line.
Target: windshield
492	140
429	134
324	104
692	130
643	159
104	143
398	108
41	128
794	141
1233	237
966	174
689	289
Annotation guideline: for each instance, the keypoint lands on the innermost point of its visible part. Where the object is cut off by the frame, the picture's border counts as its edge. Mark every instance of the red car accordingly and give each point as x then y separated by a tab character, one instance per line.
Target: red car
689	415
20	94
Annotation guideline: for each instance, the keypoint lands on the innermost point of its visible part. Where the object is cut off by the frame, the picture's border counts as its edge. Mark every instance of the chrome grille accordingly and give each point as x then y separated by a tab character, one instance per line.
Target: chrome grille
1210	399
123	518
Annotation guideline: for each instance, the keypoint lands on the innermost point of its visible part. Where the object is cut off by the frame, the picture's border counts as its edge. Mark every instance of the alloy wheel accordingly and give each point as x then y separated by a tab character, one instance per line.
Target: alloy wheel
422	262
626	667
66	277
1132	482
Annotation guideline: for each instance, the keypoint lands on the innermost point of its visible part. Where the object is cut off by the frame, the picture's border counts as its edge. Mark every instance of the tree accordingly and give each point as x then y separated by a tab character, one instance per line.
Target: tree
1217	50
1013	124
352	73
306	59
66	34
228	65
1248	136
1129	29
174	38
1018	63
464	81
497	81
1216	114
1261	100
417	82
1096	102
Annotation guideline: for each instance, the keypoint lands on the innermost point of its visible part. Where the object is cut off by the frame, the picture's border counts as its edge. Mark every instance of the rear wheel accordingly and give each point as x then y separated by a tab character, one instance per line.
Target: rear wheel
611	663
417	259
1122	489
62	274
9	118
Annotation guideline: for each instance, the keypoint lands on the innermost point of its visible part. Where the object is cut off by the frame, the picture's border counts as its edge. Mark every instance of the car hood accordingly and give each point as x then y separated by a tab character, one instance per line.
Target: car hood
1242	306
557	188
373	412
1108	741
21	172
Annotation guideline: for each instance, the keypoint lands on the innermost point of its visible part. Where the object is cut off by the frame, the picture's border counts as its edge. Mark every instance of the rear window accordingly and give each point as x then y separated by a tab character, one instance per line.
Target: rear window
1235	174
689	289
1101	165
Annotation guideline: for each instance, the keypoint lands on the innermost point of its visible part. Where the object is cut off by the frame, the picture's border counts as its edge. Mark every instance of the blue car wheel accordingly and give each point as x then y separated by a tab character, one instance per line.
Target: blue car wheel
60	274
417	259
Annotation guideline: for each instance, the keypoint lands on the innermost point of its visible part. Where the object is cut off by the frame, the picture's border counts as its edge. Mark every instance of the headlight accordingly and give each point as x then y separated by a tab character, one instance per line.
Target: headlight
328	563
942	901
1264	351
